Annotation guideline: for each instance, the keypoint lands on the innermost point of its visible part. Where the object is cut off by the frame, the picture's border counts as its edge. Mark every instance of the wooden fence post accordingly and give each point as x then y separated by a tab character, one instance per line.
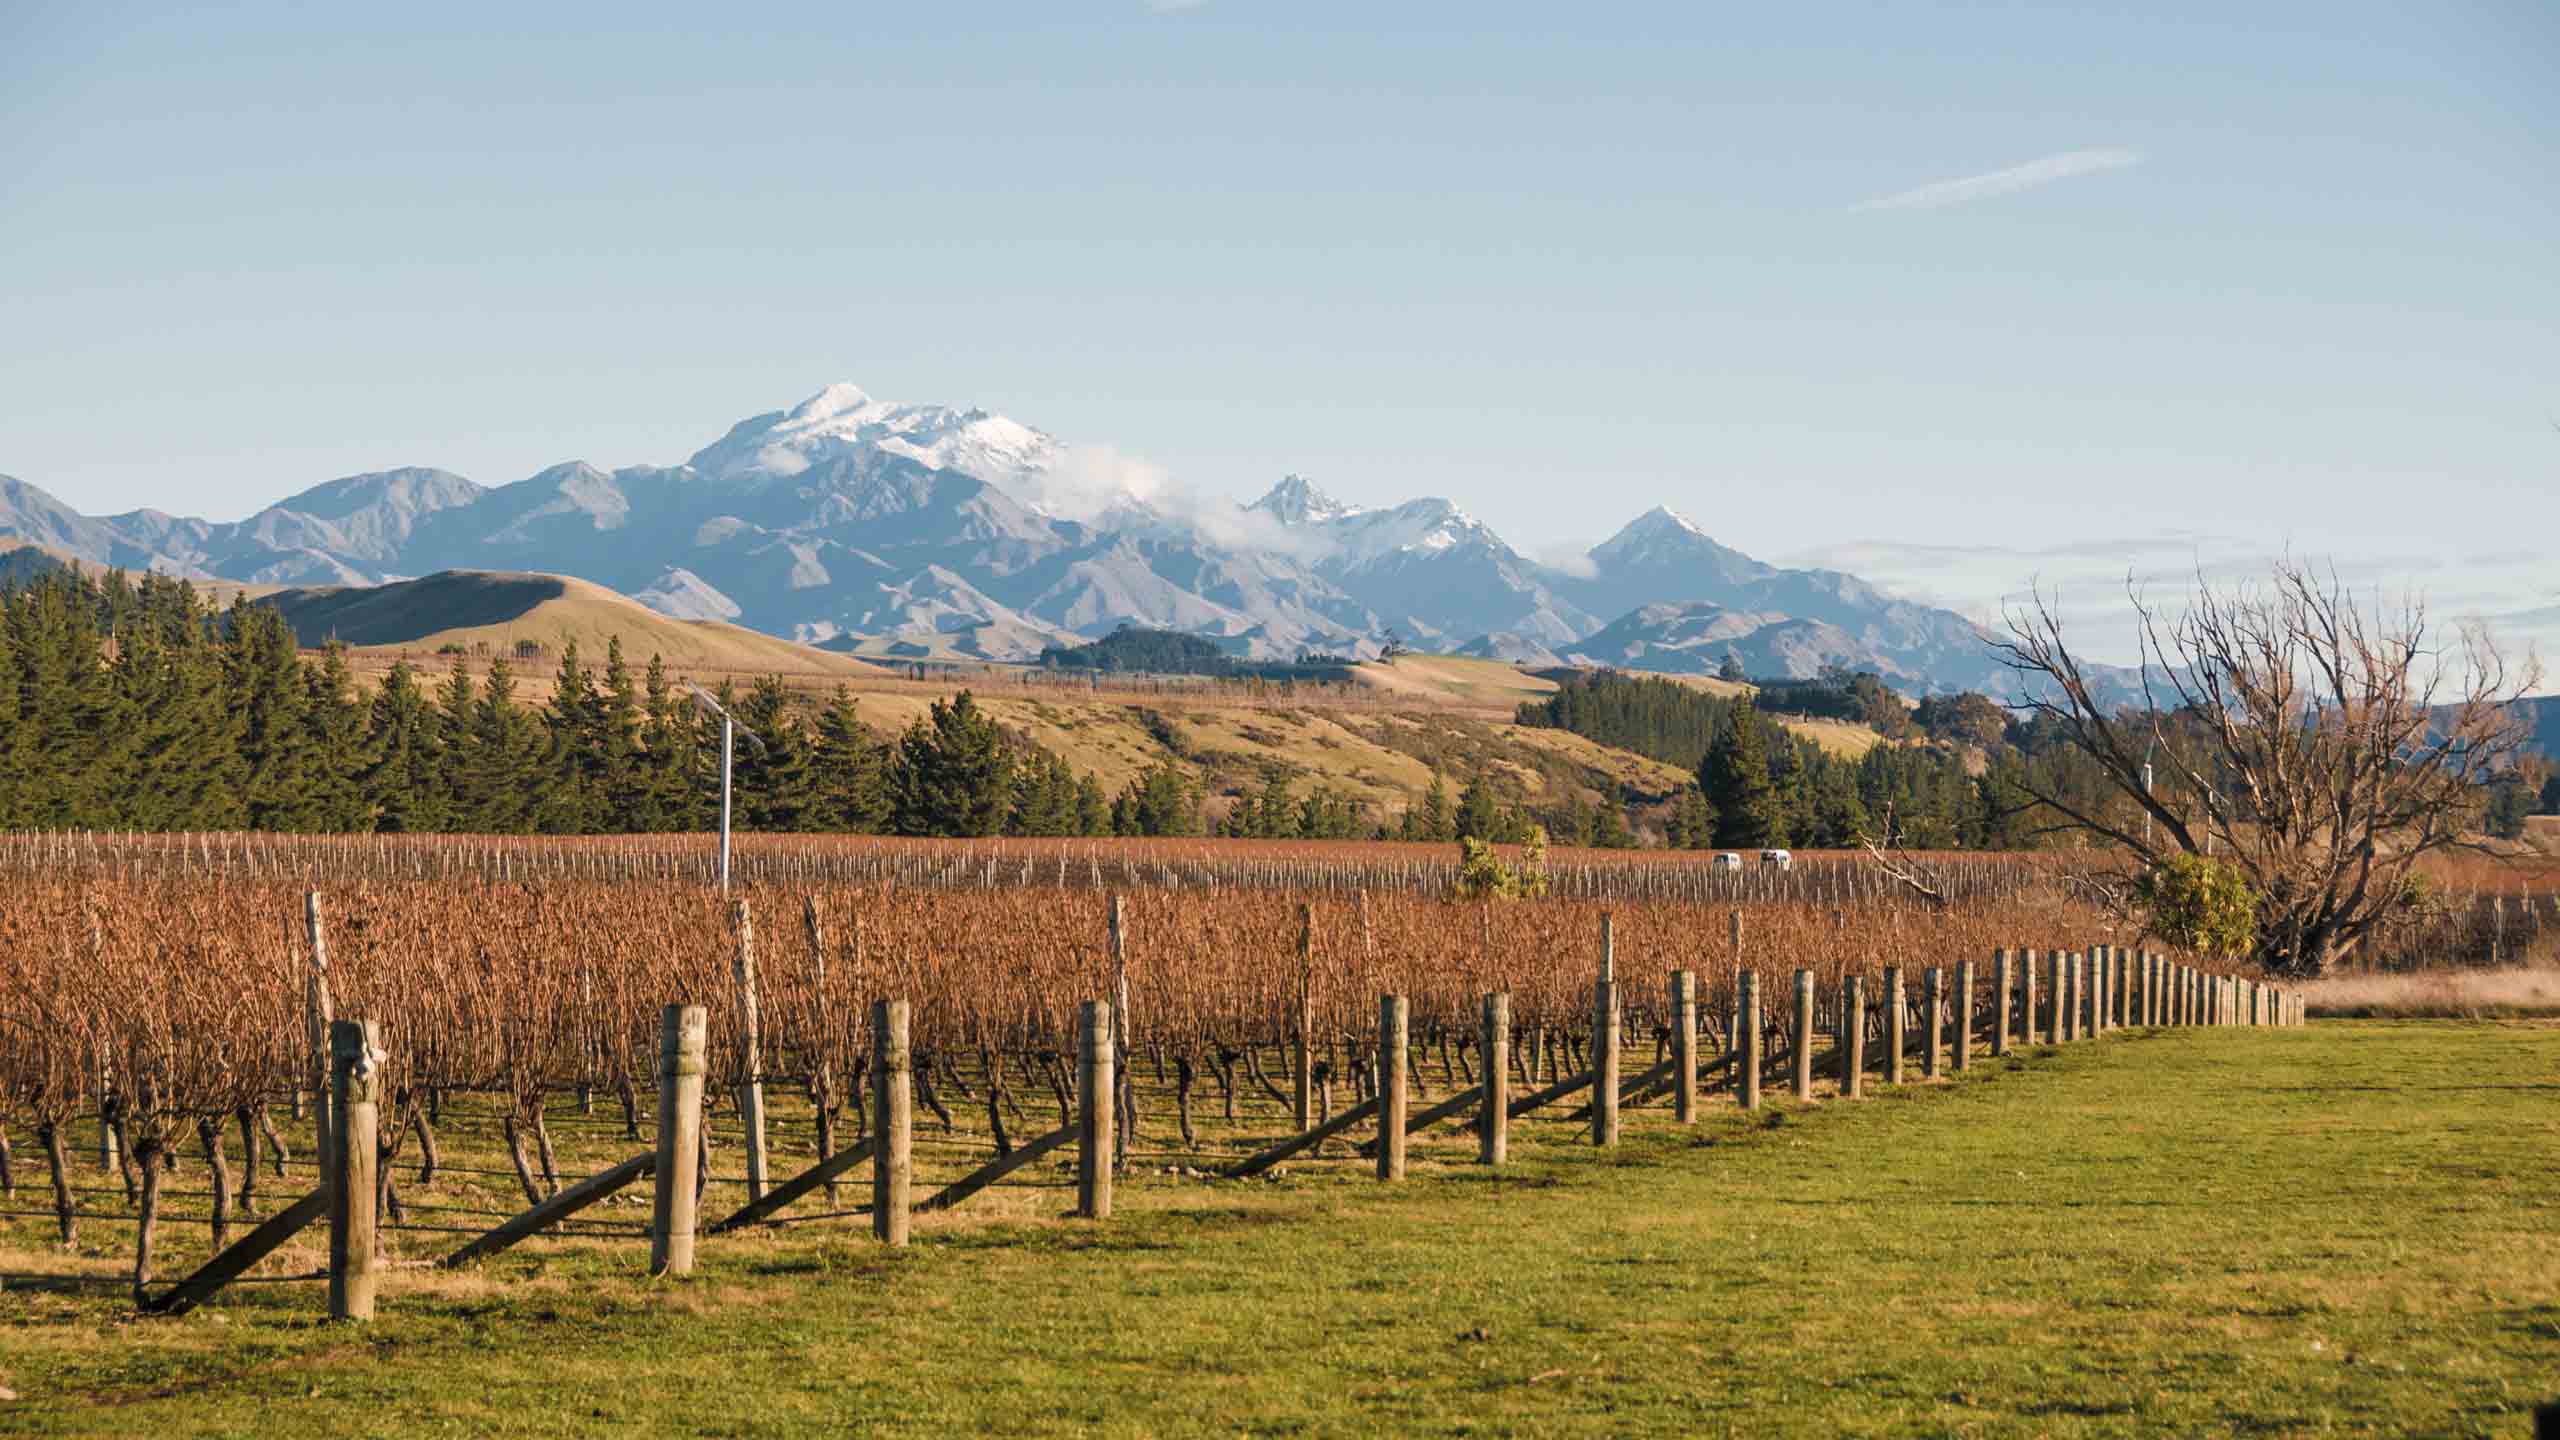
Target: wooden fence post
2003	984
1932	1053
2027	999
750	1045
1896	1025
893	1119
355	1110
1684	1047
1094	1107
2066	998
1746	1013
1801	1063
682	1031
2119	981
1964	1016
1853	1036
1604	1039
1391	1097
1493	1122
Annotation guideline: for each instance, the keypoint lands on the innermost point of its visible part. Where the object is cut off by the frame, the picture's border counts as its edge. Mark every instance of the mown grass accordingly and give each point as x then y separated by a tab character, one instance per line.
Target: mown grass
2349	1228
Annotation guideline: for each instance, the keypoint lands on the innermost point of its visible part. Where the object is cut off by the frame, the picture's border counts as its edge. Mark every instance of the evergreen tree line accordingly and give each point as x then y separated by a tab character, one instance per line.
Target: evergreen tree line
1759	785
138	704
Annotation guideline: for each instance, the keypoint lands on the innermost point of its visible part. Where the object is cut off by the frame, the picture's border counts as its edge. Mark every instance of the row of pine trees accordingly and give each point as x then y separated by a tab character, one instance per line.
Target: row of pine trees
136	704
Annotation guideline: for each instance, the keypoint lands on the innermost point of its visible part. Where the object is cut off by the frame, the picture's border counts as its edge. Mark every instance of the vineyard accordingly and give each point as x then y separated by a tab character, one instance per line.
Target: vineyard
168	1001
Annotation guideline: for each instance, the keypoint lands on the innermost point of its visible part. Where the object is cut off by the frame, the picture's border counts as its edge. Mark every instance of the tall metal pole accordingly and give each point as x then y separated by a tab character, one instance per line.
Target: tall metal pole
728	743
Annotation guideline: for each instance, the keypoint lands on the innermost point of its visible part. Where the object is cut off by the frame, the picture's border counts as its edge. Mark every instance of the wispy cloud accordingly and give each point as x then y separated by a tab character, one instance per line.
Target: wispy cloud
2064	166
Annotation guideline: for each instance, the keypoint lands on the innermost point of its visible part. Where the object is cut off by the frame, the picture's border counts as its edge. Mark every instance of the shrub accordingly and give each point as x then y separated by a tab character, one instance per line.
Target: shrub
2200	904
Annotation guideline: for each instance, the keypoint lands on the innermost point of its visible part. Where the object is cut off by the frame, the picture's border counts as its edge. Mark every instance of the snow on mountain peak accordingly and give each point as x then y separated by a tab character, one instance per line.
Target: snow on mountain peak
1297	501
843	419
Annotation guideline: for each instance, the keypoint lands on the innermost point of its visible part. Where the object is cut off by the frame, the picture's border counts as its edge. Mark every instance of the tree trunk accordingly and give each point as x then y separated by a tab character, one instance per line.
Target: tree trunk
1182	1078
277	1155
523	1161
49	1135
429	1155
542	1148
209	1131
146	1229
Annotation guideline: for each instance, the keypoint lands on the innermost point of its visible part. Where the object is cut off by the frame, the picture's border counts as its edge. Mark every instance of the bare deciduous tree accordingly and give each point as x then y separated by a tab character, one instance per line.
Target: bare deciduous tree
2320	745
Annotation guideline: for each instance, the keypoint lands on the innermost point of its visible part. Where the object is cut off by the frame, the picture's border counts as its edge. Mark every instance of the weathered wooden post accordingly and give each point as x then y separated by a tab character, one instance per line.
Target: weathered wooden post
1095	1110
1853	1036
1964	1016
682	1031
1937	1022
2027	1000
1897	1025
1493	1117
750	1045
1305	1069
2120	985
355	1108
2094	998
893	1117
1391	1097
2004	981
2066	998
1684	1047
1604	1040
1746	1018
1801	1062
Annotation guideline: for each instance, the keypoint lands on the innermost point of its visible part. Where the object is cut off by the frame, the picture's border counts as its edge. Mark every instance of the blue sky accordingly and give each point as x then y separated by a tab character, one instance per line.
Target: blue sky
2192	281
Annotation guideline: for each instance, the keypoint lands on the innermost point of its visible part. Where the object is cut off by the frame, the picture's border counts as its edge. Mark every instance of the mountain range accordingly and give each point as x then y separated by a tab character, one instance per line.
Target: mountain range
901	530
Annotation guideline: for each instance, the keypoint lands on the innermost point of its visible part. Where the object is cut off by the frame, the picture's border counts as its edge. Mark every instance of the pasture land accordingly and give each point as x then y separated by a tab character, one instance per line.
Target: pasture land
2346	1228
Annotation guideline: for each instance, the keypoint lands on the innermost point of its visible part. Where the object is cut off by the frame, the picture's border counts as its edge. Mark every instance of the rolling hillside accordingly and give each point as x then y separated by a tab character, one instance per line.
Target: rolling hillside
474	612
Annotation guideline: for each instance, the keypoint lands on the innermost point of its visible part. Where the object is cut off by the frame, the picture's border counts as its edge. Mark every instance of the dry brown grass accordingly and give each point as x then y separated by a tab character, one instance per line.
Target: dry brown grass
2438	995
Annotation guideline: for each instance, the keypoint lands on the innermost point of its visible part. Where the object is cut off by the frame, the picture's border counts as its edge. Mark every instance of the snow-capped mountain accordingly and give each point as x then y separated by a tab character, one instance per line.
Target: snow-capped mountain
904	529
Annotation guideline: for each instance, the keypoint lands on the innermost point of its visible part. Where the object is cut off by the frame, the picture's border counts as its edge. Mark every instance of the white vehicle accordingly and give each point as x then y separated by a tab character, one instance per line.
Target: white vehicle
1728	861
1777	860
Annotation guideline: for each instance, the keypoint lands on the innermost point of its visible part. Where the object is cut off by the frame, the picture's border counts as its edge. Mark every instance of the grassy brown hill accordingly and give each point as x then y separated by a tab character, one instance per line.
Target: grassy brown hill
483	612
1379	738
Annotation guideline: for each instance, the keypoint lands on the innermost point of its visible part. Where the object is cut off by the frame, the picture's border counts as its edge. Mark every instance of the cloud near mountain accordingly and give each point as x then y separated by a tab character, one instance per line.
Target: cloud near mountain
909	530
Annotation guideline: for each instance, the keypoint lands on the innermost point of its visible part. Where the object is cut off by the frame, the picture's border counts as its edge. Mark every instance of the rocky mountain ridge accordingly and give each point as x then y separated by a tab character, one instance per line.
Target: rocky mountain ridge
893	529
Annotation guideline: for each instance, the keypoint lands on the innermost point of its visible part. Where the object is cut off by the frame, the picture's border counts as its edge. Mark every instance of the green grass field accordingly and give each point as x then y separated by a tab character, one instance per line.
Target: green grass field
2351	1228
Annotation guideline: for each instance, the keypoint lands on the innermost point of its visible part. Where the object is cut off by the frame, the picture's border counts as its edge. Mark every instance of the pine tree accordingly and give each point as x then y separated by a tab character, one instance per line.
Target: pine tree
266	689
504	769
404	786
1093	810
457	743
1611	831
1693	821
615	747
336	746
1479	814
1158	802
953	774
774	789
1735	777
849	771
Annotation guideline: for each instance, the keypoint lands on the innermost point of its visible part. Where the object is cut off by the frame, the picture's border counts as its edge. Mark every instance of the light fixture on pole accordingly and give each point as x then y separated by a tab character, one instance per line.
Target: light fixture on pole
730	729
